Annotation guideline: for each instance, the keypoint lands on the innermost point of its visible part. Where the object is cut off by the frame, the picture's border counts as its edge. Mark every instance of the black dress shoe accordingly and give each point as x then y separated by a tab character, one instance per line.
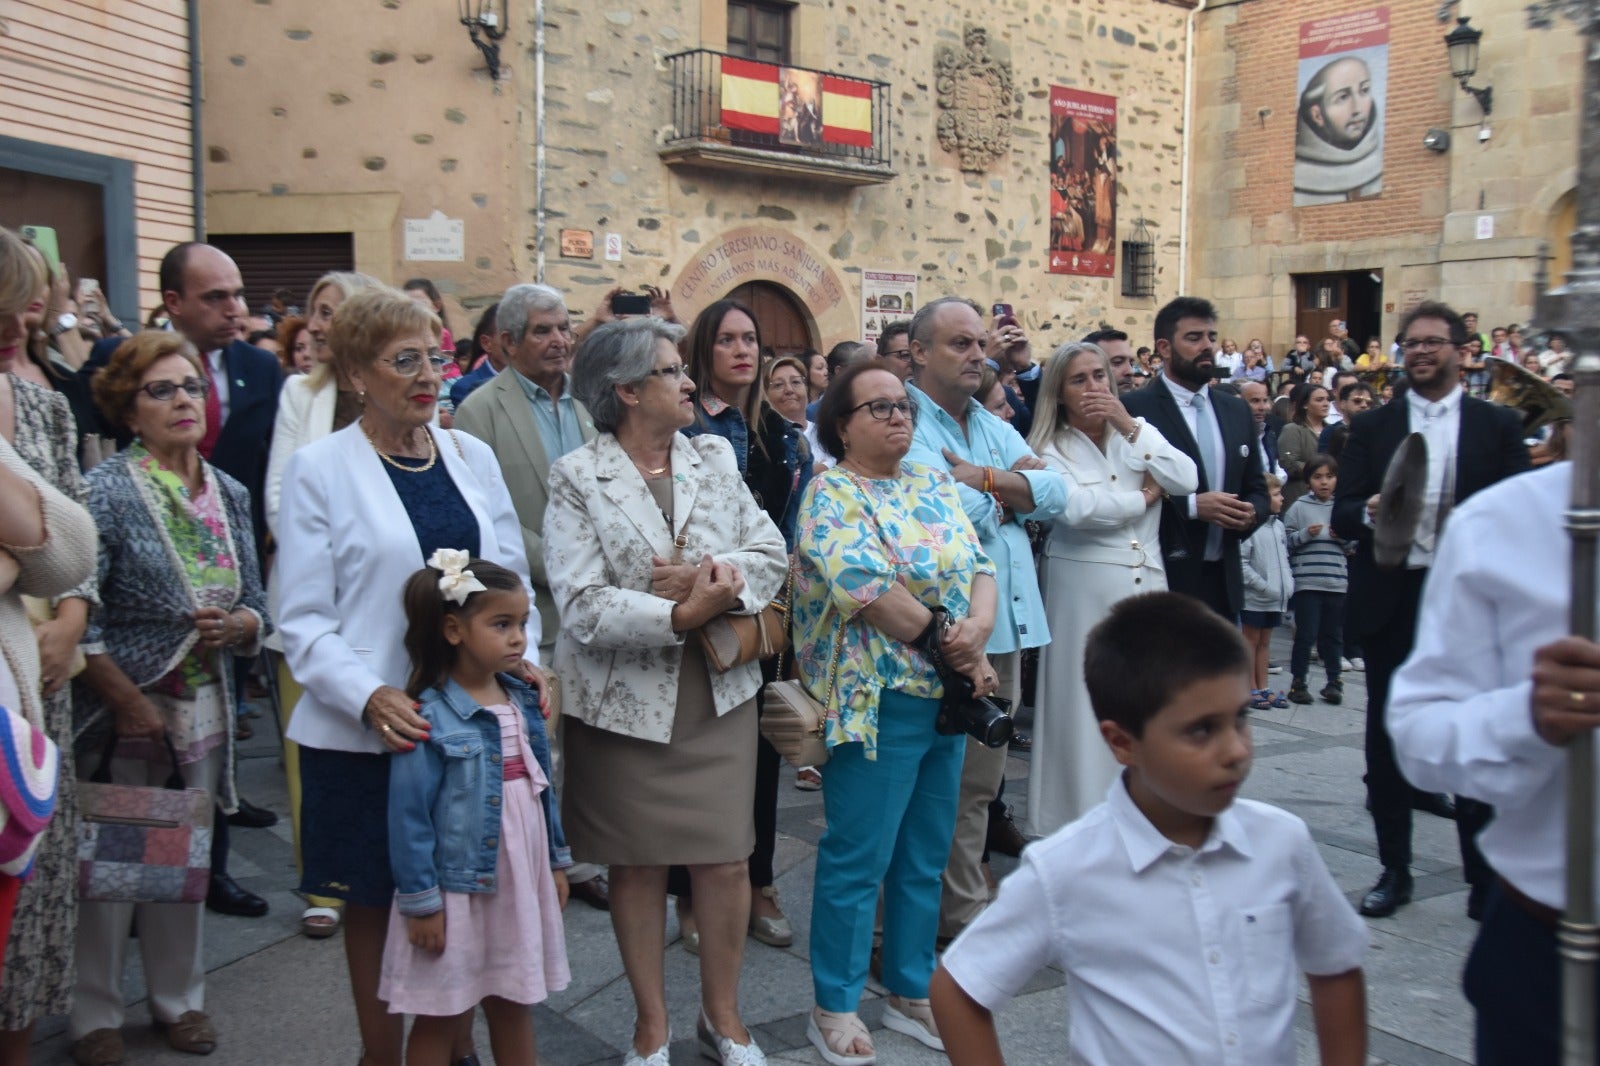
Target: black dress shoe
1435	803
596	892
249	816
1021	741
1004	836
1392	891
226	896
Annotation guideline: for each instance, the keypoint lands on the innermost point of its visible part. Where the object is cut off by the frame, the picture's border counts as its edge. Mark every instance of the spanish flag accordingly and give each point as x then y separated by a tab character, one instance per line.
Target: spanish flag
846	112
749	95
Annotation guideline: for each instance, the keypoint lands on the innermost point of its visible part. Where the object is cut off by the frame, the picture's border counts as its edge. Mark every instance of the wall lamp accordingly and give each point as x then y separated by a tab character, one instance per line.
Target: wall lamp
1463	45
485	21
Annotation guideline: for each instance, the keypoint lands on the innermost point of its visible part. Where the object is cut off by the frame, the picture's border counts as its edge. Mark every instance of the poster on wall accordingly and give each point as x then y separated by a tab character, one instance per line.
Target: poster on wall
1343	80
885	298
1083	182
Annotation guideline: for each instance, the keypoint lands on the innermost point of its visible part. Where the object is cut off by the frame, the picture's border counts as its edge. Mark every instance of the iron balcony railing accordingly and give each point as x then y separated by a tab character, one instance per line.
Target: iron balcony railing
815	114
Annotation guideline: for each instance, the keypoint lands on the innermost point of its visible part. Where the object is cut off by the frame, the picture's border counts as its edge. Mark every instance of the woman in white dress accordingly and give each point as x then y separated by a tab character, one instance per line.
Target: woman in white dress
1102	549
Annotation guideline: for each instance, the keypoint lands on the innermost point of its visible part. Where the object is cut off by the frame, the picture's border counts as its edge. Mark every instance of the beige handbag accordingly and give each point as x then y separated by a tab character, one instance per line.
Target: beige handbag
730	640
791	718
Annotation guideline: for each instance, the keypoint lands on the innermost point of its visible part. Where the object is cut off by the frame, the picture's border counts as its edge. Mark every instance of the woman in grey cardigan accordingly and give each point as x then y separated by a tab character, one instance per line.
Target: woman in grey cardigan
180	596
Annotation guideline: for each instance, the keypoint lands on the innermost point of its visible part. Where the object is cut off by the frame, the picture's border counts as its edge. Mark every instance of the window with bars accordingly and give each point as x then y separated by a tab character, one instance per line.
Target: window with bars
759	30
1138	269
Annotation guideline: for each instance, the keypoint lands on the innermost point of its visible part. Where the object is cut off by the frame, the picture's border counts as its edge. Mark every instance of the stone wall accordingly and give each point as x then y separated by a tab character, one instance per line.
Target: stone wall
387	102
1247	238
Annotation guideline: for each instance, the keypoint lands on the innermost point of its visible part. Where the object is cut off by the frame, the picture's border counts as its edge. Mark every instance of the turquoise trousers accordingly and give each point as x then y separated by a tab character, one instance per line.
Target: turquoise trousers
890	821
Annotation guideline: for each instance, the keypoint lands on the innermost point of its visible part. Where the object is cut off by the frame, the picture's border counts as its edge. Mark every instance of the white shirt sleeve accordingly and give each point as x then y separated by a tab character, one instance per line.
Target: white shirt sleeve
1007	944
1329	938
1457	726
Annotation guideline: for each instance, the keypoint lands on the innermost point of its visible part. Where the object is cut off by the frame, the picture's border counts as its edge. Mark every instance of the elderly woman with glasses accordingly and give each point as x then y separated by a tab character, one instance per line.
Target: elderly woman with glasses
180	596
649	535
888	566
362	509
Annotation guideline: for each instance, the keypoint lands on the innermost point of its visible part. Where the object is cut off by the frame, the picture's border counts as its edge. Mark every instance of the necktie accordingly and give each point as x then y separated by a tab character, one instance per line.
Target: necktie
1205	435
208	442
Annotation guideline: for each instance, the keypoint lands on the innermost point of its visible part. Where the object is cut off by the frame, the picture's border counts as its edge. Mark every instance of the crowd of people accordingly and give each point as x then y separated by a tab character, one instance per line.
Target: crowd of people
489	584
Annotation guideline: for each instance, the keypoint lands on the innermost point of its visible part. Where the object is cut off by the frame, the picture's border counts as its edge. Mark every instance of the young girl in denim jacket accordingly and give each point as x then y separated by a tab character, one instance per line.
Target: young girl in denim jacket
474	835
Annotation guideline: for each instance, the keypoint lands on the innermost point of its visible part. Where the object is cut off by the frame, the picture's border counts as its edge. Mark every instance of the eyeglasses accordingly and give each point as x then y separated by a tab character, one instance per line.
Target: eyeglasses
675	372
902	354
408	363
162	391
883	410
1425	344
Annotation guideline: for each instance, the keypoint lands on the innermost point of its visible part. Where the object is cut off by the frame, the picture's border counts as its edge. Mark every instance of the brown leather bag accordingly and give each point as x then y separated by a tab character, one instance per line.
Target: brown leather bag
730	640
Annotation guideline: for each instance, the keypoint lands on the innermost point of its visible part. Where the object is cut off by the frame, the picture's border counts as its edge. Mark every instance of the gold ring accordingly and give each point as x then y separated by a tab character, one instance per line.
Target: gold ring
1578	698
388	729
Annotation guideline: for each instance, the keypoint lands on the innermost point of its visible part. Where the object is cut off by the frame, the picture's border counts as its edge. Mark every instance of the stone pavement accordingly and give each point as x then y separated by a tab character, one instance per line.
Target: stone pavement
278	998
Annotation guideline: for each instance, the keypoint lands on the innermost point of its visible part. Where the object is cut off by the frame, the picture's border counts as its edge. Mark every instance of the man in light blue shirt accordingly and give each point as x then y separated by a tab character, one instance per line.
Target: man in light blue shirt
1002	484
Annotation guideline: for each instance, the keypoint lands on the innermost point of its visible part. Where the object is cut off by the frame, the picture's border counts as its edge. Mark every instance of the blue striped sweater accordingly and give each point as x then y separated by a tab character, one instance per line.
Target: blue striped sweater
1318	562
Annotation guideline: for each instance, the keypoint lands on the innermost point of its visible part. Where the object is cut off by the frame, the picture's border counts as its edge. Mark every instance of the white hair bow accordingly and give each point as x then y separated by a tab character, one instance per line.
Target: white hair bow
456	582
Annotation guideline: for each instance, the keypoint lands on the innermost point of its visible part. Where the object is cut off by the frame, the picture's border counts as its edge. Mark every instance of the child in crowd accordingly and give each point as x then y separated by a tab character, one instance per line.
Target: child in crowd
1268	584
1320	579
1178	914
474	835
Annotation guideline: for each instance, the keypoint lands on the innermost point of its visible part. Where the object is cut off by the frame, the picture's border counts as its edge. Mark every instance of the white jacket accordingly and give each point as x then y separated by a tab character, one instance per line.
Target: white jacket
345	550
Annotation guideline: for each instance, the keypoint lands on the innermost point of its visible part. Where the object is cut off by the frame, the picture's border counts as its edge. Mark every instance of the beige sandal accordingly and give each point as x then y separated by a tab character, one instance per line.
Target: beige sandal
914	1018
832	1033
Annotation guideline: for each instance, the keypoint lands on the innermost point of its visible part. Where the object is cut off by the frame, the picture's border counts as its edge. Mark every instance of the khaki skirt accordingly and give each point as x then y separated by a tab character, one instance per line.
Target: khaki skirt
634	802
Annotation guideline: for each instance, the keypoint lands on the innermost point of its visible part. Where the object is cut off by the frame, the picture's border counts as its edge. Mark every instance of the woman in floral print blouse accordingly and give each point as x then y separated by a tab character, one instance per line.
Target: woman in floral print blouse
882	541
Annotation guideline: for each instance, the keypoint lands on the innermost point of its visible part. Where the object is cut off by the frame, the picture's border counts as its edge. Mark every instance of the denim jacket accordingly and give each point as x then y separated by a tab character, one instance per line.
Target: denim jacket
444	798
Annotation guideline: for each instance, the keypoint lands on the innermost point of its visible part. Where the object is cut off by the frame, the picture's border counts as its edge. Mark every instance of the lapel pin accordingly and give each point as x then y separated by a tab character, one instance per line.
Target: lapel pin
239	382
1244	451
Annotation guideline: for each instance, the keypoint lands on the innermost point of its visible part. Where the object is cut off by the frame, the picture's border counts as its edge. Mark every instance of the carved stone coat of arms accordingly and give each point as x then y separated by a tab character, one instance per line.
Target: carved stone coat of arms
975	96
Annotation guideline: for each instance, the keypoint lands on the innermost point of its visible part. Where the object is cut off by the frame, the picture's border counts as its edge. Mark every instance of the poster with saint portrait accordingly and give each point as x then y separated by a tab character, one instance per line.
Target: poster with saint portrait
799	106
1083	182
1342	86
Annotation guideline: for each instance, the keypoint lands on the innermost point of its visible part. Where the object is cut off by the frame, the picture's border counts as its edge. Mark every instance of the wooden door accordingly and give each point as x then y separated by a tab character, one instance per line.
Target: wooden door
1319	300
778	316
74	209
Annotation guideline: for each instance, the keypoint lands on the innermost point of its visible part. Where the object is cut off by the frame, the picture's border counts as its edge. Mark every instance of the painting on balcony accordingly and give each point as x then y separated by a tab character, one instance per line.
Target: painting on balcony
800	107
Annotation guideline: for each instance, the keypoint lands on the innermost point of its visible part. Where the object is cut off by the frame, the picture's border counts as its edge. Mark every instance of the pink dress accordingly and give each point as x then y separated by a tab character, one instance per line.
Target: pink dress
508	943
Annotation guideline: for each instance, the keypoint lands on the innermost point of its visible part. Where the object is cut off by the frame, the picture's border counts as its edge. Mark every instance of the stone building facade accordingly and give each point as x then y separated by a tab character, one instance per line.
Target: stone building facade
362	118
1465	224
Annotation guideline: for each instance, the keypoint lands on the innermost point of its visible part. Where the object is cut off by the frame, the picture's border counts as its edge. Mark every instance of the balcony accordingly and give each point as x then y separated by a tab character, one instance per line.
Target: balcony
737	114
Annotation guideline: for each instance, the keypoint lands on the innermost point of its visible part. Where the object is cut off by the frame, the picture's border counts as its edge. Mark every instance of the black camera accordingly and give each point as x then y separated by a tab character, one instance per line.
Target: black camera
986	719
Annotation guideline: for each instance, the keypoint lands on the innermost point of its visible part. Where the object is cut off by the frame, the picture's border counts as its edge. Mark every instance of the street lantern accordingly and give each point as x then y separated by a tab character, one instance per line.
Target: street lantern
1463	42
485	21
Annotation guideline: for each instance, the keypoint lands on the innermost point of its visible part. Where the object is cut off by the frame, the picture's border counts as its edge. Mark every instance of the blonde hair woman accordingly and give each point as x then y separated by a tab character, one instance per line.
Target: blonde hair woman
311	406
1103	548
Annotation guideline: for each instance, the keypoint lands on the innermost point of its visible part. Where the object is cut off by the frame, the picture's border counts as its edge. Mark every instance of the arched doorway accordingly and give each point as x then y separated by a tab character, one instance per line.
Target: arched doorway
1558	234
778	313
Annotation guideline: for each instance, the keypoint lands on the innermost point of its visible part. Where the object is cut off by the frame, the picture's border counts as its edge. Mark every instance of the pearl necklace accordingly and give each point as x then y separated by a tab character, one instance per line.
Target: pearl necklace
433	453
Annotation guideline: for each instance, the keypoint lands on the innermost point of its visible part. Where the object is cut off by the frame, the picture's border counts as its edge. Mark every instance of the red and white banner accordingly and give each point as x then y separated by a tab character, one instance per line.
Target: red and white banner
846	111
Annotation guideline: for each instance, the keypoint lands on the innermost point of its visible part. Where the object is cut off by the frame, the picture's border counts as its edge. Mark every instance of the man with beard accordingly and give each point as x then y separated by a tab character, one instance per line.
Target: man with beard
1338	151
1115	344
1471	444
1201	533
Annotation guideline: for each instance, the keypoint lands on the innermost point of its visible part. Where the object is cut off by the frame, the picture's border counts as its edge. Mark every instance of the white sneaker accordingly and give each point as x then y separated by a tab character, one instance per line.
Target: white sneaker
1274	668
1357	664
1346	664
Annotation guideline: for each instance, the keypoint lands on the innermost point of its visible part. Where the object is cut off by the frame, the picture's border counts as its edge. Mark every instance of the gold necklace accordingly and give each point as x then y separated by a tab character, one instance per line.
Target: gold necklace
433	453
652	471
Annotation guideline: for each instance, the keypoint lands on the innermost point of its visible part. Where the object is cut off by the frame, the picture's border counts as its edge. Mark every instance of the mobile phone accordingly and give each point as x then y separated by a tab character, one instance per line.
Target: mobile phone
1001	310
626	303
44	239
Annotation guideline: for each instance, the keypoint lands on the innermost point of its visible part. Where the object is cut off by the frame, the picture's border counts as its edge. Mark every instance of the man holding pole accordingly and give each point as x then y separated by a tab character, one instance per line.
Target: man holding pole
1482	708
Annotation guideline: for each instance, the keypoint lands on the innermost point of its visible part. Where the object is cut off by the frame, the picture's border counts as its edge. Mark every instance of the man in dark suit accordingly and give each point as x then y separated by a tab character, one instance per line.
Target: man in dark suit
1200	534
1267	424
203	295
1471	445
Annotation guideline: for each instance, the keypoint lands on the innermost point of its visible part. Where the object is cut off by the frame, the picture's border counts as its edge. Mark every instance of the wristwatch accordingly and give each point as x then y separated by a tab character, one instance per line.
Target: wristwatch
67	320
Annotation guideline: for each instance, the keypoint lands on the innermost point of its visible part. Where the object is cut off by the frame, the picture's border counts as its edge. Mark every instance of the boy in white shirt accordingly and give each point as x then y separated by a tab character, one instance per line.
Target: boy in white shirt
1179	915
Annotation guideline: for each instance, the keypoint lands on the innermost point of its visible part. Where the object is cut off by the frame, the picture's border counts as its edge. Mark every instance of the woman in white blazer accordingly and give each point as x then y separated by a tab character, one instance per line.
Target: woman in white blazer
311	406
362	510
1103	548
648	536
